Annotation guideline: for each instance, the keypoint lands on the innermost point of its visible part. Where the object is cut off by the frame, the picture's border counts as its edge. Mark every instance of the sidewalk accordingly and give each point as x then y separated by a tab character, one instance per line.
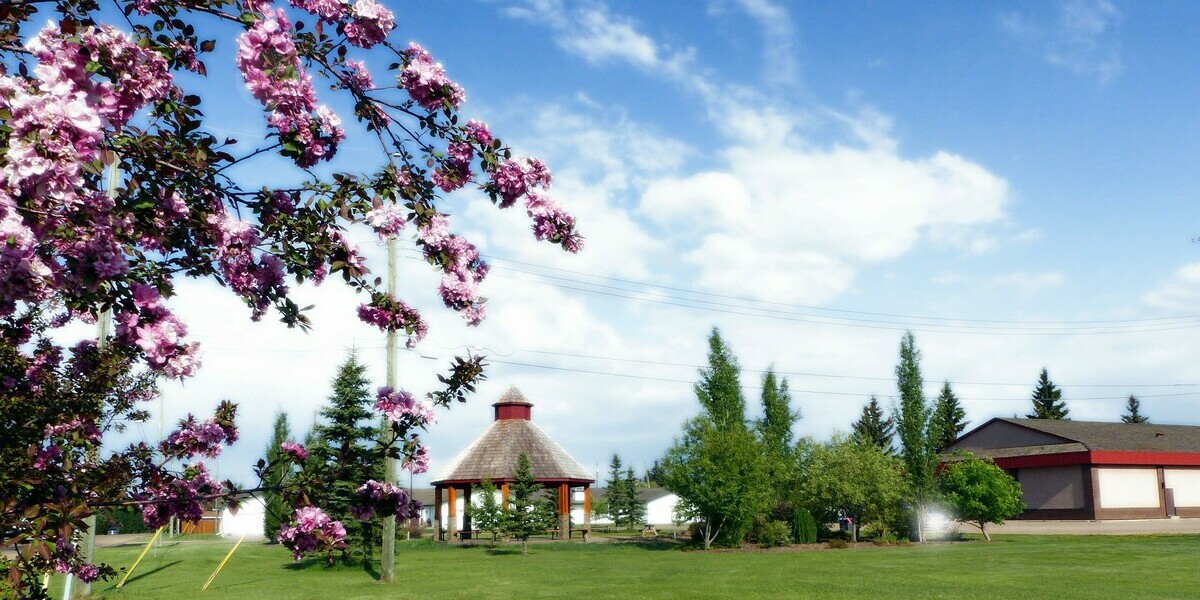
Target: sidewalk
1133	527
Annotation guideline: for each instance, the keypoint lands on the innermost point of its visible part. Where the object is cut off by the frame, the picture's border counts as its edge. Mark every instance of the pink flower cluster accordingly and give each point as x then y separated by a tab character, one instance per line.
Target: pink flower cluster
195	438
85	429
84	82
312	531
158	333
178	496
258	280
358	78
519	177
390	314
462	269
387	220
329	11
417	461
478	131
271	68
383	499
46	456
514	177
294	450
426	81
370	23
399	406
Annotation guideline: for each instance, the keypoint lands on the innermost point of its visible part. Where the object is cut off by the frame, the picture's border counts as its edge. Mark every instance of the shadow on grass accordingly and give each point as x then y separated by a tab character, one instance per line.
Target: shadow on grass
502	551
142	574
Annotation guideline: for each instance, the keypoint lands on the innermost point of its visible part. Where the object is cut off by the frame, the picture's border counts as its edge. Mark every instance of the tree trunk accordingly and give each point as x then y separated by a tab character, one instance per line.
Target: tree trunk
854	532
920	524
983	528
524	547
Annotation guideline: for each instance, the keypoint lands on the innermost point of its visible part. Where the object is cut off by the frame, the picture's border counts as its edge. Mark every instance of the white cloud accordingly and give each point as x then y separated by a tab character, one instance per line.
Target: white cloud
1084	38
1180	293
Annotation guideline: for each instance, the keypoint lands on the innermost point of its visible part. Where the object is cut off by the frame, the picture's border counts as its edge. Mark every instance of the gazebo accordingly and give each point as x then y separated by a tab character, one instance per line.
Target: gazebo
494	454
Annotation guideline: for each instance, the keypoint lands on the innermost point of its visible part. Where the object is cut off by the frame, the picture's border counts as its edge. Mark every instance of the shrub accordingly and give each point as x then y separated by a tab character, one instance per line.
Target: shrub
804	527
775	533
838	544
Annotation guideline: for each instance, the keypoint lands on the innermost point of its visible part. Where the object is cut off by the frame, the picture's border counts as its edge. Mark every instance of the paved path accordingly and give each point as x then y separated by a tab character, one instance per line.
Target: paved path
1134	527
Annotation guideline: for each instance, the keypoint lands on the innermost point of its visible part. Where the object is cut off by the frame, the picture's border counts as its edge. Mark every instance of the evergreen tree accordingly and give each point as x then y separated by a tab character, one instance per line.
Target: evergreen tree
348	453
635	511
654	473
488	515
525	514
719	389
775	435
616	493
872	428
948	421
277	511
1133	412
1047	400
912	426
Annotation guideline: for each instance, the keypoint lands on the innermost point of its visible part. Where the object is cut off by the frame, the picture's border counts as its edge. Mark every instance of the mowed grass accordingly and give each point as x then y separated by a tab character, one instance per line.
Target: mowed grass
1092	567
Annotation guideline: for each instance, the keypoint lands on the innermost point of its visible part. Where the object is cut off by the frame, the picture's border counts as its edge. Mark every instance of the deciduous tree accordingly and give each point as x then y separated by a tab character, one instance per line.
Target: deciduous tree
979	492
912	427
854	479
774	431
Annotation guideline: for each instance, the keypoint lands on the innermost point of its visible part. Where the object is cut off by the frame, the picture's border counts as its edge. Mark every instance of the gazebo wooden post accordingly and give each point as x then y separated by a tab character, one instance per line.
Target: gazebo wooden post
564	511
504	496
452	508
587	506
437	513
466	532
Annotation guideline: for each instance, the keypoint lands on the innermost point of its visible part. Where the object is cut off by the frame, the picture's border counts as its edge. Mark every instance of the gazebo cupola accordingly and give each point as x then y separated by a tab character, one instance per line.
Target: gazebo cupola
494	454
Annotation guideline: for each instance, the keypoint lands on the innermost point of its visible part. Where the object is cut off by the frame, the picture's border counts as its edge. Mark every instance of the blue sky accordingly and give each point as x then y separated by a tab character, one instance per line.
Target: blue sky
1010	162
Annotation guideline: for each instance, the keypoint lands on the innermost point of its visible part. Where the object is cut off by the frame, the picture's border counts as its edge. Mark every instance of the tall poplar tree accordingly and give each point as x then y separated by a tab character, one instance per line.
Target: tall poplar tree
277	511
948	421
912	427
716	466
346	447
1133	411
775	435
872	428
1047	400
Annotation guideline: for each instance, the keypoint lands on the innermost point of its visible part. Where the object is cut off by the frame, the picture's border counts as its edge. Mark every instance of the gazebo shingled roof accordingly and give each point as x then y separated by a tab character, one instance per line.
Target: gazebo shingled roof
495	452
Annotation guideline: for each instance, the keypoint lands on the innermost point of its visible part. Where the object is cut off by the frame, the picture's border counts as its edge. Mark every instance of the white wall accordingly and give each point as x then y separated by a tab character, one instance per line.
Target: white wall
661	511
248	521
1186	485
1128	488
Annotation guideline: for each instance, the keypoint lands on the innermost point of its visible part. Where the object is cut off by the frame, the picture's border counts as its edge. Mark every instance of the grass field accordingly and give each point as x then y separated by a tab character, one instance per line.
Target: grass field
1093	567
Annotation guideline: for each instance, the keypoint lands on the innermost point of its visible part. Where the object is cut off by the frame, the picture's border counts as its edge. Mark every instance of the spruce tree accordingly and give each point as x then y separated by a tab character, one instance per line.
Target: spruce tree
948	421
912	426
615	494
872	428
348	453
277	510
1047	400
719	389
1133	412
525	514
635	511
488	514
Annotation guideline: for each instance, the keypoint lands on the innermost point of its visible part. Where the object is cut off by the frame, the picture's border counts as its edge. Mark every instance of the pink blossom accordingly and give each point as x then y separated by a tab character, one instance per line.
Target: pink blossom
426	81
418	461
330	11
194	438
294	450
514	177
383	499
387	220
400	406
478	131
312	531
370	23
178	496
358	78
390	314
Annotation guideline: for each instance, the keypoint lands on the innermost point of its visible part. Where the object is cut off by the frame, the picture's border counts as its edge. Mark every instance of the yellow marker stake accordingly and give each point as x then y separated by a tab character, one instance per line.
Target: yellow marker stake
139	558
222	565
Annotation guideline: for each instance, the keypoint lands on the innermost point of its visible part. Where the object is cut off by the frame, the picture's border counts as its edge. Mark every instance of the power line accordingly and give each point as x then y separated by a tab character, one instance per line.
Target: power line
826	309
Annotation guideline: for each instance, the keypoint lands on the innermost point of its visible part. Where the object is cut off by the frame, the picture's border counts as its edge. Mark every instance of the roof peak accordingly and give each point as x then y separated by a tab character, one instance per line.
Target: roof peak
512	395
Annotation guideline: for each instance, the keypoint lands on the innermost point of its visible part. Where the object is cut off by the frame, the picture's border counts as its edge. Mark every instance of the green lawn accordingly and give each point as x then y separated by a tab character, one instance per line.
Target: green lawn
1092	567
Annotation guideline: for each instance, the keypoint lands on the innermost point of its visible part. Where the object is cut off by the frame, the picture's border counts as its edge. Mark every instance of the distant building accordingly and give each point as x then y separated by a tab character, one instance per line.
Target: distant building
660	506
1088	470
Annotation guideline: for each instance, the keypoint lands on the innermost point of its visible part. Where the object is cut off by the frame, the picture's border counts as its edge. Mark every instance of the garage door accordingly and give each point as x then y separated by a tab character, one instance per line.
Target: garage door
1186	484
1128	488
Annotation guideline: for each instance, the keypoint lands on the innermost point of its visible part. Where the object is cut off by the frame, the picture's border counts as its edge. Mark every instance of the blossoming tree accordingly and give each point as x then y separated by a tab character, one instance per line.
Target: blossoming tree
112	189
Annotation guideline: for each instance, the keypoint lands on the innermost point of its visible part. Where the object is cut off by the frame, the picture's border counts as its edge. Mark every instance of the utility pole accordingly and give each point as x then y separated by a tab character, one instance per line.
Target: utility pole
387	570
103	325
